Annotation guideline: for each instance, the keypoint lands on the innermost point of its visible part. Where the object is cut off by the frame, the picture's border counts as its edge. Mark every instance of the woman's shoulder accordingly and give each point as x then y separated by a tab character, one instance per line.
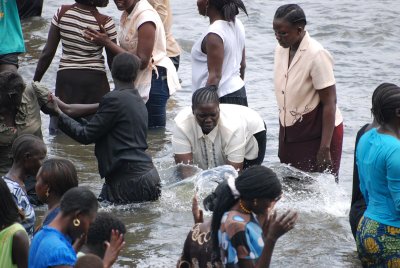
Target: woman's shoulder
234	221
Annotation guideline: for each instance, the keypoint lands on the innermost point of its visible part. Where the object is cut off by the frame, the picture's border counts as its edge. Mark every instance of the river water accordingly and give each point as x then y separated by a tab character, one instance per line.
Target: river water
363	39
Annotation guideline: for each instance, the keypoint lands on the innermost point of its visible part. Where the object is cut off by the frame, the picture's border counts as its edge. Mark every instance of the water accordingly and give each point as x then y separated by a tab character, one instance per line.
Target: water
363	39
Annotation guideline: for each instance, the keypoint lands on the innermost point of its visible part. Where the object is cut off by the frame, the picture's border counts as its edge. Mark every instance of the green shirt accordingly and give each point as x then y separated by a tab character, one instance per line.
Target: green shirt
27	121
6	243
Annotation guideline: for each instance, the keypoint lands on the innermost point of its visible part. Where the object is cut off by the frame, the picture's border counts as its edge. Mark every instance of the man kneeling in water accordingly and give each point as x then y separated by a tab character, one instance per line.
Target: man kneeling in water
119	131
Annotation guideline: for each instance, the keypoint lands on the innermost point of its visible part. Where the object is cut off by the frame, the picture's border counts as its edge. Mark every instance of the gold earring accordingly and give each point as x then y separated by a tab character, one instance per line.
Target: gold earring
76	222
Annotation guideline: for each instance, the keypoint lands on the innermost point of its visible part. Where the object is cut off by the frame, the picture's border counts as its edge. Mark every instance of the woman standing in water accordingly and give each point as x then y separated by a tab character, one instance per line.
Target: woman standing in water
51	246
378	161
81	76
218	57
311	126
142	34
244	229
119	131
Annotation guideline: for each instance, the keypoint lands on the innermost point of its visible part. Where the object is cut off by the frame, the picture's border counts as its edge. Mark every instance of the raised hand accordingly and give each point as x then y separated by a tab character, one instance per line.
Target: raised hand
197	212
278	225
113	248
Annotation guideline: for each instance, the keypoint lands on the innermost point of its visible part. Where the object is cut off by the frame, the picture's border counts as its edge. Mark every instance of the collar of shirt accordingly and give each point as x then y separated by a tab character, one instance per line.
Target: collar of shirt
211	136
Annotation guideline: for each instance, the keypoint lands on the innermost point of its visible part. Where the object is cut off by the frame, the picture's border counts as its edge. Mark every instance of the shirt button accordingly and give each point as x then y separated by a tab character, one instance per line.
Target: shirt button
283	92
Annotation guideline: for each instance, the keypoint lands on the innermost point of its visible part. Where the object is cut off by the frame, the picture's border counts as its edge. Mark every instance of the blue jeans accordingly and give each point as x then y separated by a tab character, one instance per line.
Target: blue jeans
158	97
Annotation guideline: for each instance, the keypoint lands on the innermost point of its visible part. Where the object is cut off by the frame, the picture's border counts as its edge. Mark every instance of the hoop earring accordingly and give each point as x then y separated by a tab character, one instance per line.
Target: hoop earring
76	222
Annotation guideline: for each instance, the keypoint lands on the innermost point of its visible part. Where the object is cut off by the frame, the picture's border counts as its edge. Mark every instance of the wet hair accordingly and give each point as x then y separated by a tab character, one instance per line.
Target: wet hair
93	3
11	88
385	101
125	67
78	199
228	8
254	182
26	143
203	95
9	212
89	261
100	229
60	175
291	13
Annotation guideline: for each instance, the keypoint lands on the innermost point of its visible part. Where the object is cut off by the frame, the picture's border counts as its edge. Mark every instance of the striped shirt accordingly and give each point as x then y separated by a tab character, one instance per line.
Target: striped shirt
78	53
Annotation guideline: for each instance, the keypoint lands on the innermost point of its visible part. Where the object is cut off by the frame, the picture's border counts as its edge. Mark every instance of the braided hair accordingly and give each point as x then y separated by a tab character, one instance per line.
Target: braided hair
229	8
291	13
204	95
26	143
385	101
254	182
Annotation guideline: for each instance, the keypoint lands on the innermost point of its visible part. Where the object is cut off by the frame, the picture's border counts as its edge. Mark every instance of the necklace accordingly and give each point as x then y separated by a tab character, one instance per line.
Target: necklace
245	210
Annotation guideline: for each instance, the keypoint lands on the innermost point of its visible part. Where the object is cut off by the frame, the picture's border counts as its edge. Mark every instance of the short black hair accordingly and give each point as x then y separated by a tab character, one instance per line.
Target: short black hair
93	3
229	8
100	229
125	67
26	143
203	95
89	261
78	199
60	175
385	101
291	13
11	88
9	212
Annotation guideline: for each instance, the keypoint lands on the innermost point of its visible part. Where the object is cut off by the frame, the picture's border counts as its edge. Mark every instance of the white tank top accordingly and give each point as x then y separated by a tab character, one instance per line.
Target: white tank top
233	37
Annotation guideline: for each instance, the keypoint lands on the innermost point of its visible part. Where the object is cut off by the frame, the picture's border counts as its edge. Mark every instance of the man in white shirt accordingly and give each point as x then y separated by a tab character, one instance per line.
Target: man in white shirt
210	134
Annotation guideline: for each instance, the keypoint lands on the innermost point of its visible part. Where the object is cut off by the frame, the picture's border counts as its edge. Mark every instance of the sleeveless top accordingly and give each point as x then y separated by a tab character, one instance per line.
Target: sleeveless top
233	37
6	243
128	39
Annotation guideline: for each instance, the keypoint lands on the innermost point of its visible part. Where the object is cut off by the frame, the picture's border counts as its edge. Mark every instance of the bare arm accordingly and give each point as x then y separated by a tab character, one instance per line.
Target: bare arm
48	53
20	249
77	110
274	227
184	170
328	101
236	166
146	39
243	64
215	57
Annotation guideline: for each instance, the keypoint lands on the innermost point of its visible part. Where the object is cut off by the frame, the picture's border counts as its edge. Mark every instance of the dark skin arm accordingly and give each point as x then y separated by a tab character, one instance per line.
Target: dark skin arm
20	249
243	64
236	166
214	48
146	39
72	110
328	101
48	53
184	170
273	228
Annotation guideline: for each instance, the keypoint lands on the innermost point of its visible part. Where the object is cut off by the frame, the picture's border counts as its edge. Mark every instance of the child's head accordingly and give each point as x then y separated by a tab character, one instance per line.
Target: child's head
28	151
9	212
55	177
100	232
89	261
